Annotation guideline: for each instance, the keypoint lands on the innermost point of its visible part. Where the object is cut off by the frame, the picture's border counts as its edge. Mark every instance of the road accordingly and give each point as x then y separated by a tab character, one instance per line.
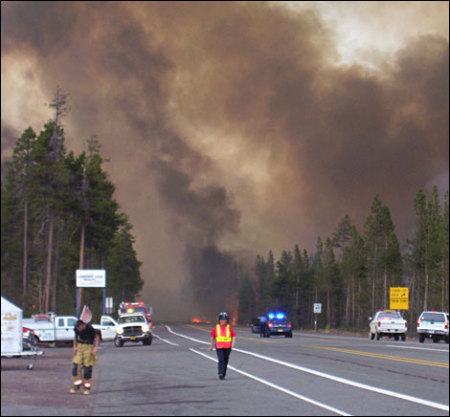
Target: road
310	374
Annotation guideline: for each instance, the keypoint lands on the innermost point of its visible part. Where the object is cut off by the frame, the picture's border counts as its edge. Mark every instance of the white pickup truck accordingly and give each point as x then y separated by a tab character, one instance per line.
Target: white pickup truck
51	328
388	323
107	328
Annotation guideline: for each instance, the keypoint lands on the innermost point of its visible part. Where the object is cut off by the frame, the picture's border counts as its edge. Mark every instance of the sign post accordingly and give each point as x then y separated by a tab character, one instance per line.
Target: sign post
317	310
399	298
91	278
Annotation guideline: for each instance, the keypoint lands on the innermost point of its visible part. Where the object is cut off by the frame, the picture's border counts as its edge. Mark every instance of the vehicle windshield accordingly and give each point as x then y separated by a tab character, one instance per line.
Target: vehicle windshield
433	317
132	319
386	315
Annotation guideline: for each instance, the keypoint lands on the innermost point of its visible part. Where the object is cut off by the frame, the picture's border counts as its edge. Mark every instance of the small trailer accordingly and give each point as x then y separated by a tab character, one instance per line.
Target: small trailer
12	334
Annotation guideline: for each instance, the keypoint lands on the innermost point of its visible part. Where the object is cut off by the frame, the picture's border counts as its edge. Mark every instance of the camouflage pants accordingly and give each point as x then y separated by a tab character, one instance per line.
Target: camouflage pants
83	360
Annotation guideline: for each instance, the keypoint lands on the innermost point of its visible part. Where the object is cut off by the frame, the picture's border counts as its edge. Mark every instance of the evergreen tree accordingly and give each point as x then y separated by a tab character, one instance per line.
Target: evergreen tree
247	301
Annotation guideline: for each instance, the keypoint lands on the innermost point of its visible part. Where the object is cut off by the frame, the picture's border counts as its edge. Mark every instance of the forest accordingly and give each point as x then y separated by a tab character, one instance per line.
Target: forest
59	215
350	272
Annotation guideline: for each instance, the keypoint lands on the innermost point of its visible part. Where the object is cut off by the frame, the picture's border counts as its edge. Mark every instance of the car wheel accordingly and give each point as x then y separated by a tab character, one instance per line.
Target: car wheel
403	337
378	336
396	337
118	342
422	337
435	339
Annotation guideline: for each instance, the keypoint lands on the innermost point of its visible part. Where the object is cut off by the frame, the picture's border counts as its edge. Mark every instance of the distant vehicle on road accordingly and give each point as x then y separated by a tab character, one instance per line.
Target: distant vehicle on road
433	325
278	325
127	307
133	328
258	323
273	324
388	323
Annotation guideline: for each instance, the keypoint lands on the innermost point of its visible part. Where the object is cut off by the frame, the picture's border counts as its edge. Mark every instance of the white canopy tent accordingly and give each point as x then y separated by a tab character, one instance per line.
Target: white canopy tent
12	333
11	328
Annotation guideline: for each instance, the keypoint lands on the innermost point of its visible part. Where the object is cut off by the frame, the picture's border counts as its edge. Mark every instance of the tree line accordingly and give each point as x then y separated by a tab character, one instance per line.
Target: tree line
350	272
58	214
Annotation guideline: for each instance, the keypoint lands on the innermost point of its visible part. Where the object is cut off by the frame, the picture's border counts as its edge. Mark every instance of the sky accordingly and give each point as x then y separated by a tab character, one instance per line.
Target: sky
236	128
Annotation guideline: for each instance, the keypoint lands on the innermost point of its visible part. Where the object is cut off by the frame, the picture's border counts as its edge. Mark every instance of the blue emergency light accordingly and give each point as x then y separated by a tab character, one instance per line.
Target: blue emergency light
278	315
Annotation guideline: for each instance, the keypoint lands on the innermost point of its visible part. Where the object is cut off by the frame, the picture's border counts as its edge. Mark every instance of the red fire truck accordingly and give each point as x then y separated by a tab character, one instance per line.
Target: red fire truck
127	307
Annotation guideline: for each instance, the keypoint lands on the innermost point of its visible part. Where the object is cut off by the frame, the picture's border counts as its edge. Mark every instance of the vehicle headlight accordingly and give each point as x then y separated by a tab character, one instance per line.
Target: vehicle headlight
119	330
145	328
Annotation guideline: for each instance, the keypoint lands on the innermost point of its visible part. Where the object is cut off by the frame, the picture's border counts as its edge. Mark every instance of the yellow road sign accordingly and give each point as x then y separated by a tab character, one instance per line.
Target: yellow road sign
399	298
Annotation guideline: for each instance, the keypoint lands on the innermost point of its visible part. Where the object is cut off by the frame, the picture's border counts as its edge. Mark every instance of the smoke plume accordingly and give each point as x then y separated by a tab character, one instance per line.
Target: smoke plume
232	128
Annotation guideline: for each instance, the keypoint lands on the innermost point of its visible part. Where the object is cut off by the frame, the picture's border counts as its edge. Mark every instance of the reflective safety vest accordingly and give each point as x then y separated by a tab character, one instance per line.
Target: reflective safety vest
223	342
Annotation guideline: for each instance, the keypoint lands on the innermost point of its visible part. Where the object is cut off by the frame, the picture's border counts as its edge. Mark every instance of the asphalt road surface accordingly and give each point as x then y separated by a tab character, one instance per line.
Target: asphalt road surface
311	374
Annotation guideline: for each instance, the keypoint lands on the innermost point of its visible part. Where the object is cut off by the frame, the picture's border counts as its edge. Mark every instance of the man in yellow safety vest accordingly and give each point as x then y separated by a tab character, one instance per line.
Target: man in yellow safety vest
224	337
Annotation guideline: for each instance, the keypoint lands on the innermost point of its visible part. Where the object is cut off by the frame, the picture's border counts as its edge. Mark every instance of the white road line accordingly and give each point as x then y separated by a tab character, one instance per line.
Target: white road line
418	348
165	340
351	383
186	337
382	391
279	388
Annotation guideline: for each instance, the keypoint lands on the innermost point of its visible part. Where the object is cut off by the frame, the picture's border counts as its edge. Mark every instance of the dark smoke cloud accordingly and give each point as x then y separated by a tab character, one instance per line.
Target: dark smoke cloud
230	128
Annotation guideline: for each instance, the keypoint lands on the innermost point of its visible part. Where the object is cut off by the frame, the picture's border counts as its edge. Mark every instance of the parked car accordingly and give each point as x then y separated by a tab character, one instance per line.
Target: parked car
388	323
258	324
433	325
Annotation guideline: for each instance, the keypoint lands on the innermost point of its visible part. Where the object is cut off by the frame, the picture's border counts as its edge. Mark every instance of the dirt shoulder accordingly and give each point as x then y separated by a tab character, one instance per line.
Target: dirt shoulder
44	390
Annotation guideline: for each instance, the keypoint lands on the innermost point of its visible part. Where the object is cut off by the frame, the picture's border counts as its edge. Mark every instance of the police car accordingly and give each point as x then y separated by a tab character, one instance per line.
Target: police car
278	325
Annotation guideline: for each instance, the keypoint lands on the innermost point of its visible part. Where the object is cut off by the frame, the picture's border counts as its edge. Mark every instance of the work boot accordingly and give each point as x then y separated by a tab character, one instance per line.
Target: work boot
74	389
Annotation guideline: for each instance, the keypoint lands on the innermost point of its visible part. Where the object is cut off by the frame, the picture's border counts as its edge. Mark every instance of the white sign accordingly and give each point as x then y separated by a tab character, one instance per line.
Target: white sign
317	308
91	278
109	302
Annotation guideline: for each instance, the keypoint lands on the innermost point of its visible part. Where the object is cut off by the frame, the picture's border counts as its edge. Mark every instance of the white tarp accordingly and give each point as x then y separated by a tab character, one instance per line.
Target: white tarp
11	328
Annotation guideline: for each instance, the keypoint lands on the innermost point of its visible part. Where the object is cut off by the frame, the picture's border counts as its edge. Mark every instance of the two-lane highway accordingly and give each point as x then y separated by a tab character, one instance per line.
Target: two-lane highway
310	374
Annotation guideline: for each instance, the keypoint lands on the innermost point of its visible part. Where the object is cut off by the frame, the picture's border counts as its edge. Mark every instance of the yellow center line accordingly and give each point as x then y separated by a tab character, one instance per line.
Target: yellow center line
378	355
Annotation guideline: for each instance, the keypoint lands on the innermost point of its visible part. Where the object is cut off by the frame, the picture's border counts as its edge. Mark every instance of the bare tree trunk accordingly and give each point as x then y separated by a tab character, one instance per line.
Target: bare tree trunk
412	304
328	307
353	301
56	271
374	280
427	277
25	254
385	276
81	264
49	264
347	306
